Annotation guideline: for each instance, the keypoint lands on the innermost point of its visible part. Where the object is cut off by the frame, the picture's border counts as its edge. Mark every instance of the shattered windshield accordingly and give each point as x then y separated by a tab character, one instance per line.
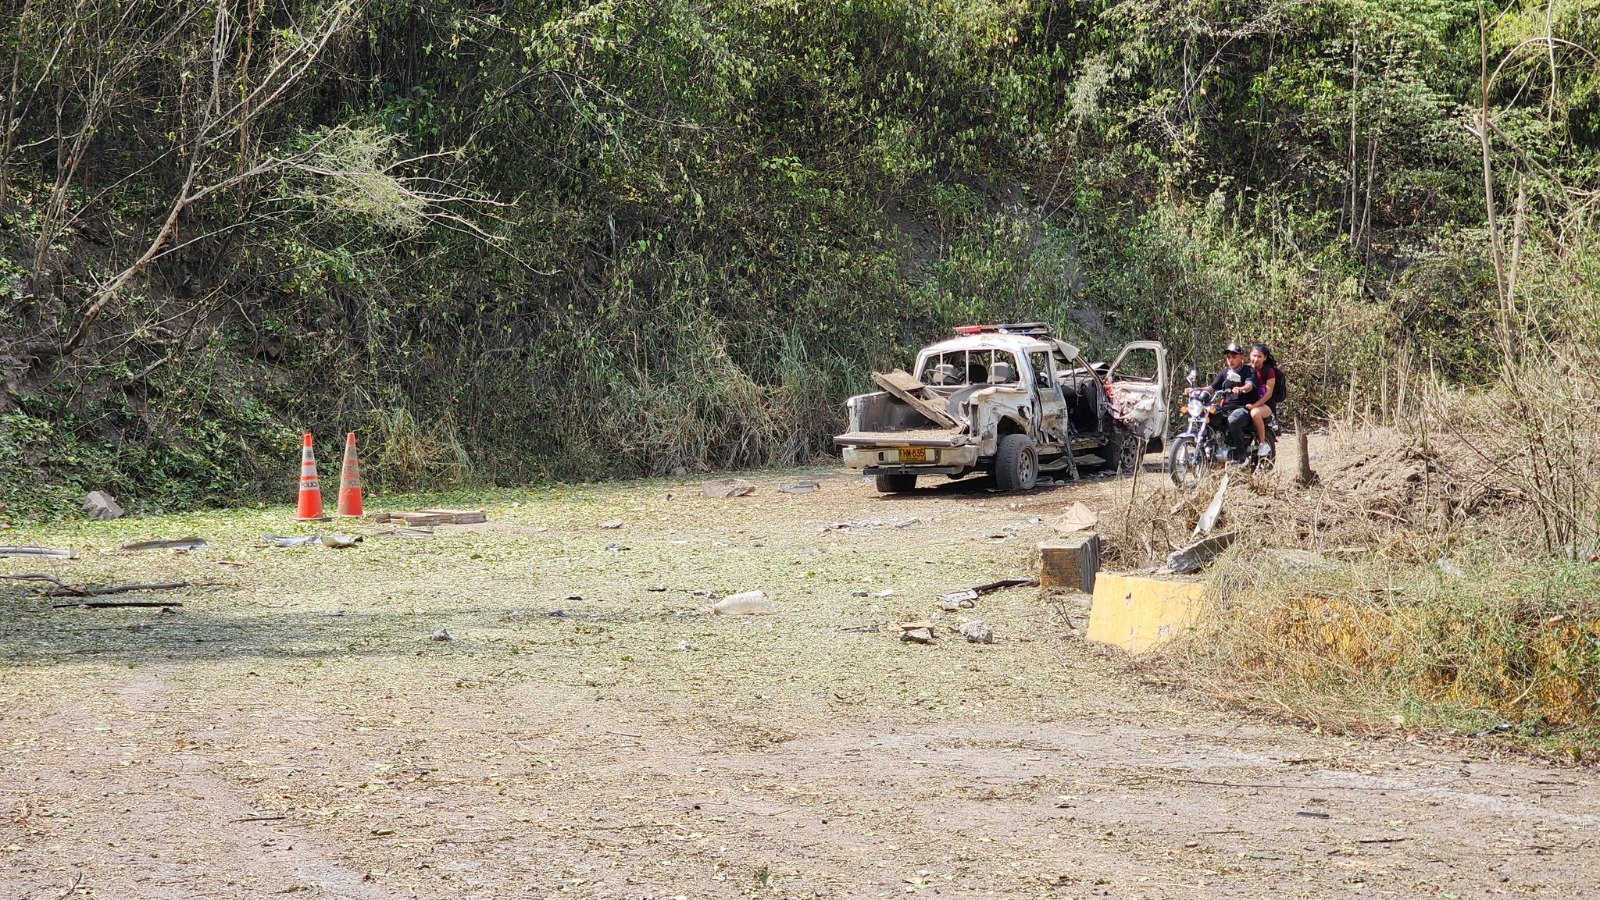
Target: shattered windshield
967	367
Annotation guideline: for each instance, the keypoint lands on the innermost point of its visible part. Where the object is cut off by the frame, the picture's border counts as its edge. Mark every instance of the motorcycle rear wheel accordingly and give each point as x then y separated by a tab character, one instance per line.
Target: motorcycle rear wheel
1184	463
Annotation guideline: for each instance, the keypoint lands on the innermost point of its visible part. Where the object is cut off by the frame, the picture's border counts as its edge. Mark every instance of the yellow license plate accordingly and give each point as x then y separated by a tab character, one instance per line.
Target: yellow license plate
913	454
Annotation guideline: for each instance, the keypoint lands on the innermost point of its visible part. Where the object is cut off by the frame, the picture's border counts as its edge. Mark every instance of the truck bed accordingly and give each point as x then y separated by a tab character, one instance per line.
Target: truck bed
916	437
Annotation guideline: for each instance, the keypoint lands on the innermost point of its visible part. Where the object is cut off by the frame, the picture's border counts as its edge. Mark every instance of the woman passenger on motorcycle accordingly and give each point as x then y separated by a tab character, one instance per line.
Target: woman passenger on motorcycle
1260	406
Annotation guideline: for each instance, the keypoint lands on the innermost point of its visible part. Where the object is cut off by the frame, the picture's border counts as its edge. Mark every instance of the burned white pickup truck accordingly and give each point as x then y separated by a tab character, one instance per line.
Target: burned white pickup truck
1010	400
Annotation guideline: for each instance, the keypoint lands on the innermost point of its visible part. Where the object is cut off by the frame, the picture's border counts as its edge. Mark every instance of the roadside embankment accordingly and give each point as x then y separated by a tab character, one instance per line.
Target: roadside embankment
1419	585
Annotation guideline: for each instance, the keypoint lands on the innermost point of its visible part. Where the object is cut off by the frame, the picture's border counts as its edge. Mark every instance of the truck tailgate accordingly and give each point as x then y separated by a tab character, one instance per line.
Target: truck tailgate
924	437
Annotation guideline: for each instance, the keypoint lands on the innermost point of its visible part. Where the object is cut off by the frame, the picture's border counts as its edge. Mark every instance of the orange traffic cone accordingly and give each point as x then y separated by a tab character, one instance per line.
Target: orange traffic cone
350	480
310	488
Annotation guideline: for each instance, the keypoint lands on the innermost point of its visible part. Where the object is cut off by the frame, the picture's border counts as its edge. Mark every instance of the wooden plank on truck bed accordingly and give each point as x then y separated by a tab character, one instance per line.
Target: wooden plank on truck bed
906	387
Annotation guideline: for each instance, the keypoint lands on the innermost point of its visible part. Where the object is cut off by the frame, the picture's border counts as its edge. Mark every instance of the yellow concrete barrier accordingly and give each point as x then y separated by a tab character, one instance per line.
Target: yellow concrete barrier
1137	613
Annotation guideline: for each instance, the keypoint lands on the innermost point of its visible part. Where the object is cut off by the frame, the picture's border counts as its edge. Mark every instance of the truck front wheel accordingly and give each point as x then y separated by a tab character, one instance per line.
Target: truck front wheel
1016	463
896	484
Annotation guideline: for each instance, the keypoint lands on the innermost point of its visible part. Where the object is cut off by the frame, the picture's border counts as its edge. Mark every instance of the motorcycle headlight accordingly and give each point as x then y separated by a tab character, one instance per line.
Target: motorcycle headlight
1195	407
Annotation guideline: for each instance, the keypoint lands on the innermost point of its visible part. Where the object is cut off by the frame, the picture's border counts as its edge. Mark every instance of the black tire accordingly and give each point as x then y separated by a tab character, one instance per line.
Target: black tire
1016	463
896	484
1183	462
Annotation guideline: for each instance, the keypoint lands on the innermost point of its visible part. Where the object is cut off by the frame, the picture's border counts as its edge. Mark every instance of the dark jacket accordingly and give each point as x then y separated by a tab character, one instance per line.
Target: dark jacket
1230	401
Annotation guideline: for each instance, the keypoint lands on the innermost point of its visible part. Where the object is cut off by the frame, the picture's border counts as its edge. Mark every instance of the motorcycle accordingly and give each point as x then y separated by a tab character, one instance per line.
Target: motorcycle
1203	443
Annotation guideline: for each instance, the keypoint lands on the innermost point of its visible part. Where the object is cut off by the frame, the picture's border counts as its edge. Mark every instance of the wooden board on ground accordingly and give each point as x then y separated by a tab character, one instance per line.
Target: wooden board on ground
1070	562
424	517
904	385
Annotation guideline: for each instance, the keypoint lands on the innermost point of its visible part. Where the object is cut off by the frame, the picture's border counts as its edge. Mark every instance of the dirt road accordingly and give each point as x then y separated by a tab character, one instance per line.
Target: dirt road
589	731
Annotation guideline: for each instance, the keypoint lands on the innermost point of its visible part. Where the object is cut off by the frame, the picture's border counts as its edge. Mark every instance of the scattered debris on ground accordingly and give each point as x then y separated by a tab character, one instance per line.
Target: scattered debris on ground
749	603
163	605
977	632
800	487
1208	519
1070	562
1193	558
966	599
611	524
180	545
1077	518
857	527
62	589
335	541
917	632
423	517
725	488
101	506
405	532
38	553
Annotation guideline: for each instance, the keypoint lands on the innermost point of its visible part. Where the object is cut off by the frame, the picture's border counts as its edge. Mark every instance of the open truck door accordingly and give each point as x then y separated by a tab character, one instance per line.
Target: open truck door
1138	385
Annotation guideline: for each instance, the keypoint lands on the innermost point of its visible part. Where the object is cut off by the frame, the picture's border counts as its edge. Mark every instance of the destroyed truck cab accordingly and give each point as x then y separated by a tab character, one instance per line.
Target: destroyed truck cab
1010	400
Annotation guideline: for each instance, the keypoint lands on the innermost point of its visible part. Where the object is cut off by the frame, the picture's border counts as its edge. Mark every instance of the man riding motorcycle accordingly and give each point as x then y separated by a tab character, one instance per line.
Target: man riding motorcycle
1232	391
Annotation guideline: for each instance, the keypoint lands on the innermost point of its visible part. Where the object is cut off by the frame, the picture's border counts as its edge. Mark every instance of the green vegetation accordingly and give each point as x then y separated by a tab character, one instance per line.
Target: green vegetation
540	240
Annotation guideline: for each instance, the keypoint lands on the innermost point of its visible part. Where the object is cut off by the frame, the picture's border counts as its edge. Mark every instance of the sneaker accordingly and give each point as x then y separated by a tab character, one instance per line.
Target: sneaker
1264	451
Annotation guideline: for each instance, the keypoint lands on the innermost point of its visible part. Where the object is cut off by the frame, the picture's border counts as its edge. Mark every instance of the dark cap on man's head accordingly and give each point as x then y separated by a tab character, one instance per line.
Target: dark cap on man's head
1233	348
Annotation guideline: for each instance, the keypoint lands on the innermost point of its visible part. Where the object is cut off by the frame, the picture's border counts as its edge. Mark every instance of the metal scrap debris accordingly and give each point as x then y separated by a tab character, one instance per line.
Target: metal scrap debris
181	545
336	541
857	527
38	552
956	600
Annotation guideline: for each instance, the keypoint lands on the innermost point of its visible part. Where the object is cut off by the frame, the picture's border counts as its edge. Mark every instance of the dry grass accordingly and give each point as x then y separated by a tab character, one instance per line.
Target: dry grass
1354	643
1438	576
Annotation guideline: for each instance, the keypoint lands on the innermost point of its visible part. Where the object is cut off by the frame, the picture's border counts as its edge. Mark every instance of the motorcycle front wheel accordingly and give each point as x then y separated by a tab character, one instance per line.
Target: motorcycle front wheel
1183	462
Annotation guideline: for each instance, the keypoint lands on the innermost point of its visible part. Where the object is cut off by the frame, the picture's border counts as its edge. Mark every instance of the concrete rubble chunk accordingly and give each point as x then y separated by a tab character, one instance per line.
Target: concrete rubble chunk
749	603
724	488
977	632
1208	519
917	632
102	506
1193	558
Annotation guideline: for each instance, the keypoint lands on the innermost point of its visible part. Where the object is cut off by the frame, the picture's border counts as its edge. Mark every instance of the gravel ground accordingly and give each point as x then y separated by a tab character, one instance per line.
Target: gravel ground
589	730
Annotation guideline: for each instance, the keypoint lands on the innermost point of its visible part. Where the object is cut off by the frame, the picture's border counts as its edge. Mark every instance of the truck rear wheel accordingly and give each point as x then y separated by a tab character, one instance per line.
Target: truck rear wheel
896	484
1016	463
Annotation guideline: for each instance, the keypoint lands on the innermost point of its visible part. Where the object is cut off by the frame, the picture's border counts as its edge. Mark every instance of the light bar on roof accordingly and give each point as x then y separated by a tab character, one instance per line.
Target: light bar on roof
1041	329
